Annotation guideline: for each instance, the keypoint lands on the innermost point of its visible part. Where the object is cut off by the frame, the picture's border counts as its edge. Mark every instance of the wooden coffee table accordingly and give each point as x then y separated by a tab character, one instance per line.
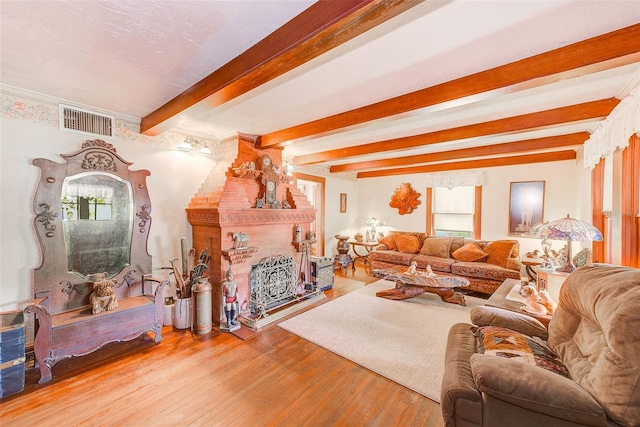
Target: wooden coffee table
413	285
499	299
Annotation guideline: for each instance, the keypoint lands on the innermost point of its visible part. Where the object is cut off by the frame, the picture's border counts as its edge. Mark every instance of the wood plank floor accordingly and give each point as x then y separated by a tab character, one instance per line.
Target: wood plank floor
271	379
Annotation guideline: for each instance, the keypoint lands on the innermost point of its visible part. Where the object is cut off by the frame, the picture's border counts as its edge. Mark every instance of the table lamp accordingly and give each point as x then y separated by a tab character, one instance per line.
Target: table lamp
569	229
374	222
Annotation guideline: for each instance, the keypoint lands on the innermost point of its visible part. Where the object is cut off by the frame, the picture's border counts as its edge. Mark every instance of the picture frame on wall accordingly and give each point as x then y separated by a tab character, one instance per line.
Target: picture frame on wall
343	202
526	207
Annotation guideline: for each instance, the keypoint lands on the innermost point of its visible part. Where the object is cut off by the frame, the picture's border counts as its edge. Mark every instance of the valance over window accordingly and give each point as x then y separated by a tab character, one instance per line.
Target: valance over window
450	180
614	132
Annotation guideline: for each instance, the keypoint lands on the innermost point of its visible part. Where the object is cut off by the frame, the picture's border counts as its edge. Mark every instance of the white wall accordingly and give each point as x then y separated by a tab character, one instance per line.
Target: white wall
335	221
375	195
561	198
175	178
28	130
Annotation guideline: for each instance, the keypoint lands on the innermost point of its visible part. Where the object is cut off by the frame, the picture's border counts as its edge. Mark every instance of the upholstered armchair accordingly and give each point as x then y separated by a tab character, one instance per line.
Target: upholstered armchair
507	369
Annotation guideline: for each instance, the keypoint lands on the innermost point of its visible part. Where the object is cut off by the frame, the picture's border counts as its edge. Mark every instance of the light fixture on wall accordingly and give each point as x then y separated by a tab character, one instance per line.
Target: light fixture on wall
571	230
287	169
192	144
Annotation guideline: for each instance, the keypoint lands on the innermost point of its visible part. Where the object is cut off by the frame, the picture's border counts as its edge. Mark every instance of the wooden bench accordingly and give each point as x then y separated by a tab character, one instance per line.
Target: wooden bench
79	332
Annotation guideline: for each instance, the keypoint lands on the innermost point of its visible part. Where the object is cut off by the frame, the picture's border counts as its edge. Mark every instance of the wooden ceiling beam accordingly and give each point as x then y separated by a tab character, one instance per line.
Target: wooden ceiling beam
320	28
545	143
572	113
475	164
595	54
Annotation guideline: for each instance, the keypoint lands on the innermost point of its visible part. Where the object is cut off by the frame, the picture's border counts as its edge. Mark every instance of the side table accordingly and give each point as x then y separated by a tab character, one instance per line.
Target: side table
369	246
529	265
552	281
499	300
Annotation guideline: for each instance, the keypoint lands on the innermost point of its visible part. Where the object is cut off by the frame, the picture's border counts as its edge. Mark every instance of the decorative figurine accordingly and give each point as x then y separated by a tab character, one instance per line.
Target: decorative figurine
103	297
533	306
230	303
413	268
545	299
240	240
298	231
429	270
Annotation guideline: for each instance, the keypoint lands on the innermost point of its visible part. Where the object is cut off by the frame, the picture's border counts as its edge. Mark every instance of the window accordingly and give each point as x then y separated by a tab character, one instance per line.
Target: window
454	211
616	206
91	208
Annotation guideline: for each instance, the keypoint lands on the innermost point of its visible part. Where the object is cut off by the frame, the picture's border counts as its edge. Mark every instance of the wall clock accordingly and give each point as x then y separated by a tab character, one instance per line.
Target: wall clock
265	162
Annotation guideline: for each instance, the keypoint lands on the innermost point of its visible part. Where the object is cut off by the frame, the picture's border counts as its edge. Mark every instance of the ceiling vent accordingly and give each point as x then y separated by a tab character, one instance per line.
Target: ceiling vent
76	119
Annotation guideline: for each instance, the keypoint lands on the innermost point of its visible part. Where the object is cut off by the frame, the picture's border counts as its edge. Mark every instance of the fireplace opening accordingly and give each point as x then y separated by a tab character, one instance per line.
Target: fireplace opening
276	284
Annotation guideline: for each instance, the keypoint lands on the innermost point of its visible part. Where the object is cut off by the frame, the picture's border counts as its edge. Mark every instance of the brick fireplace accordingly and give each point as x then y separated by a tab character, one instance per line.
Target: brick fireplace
226	204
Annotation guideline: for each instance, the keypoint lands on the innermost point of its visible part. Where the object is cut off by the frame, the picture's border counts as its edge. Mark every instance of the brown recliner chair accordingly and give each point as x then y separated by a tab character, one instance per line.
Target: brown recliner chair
595	333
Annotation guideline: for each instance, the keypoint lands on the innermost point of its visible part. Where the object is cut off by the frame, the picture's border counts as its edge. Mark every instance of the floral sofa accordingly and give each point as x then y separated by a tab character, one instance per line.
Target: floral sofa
486	264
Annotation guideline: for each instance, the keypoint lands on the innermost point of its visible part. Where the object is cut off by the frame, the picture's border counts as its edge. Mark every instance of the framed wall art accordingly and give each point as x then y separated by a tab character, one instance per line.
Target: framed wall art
526	207
343	202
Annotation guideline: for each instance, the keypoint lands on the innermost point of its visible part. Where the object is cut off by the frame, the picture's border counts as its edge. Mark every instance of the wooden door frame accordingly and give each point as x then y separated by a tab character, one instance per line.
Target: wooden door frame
320	214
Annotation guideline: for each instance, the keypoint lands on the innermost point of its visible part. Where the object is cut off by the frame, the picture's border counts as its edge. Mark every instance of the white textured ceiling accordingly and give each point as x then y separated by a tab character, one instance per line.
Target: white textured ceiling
131	57
128	57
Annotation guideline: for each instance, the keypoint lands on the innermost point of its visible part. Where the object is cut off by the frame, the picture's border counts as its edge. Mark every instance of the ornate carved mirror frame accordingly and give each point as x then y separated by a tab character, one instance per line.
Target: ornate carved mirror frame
65	289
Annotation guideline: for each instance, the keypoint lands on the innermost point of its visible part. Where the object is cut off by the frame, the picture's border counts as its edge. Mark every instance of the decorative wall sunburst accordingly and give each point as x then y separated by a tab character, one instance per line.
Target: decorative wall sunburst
405	199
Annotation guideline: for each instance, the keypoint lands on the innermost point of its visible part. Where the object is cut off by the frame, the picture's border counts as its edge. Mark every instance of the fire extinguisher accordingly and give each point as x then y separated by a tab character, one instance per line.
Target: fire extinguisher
203	318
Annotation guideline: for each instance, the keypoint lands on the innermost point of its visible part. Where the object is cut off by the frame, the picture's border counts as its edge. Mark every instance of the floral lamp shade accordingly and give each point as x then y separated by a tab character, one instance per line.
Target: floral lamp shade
569	229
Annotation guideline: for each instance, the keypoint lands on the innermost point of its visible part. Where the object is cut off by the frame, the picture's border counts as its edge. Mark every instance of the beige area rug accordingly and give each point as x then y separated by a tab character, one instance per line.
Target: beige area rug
401	340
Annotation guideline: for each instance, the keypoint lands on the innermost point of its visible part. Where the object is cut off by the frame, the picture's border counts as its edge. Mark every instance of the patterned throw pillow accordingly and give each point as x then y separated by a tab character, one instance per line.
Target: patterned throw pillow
390	242
408	243
470	252
499	252
436	246
503	342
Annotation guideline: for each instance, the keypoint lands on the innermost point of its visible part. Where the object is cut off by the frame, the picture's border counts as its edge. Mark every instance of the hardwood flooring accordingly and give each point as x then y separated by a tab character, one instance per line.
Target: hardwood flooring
273	378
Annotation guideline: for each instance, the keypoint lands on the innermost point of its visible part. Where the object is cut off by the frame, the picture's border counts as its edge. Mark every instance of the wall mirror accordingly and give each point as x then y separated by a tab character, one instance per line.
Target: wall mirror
97	219
92	216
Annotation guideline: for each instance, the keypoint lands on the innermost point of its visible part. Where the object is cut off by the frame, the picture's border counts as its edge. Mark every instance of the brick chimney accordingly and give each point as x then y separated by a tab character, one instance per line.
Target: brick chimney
226	203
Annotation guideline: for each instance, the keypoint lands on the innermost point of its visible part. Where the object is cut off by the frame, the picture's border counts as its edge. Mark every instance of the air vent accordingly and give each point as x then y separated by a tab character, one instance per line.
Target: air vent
76	119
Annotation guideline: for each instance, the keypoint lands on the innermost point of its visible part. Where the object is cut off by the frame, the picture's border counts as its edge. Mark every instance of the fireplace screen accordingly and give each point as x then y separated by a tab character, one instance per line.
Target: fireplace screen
273	283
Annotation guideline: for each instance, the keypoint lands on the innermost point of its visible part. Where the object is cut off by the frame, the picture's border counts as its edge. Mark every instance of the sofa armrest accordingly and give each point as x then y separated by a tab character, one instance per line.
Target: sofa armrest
514	264
493	316
459	396
535	389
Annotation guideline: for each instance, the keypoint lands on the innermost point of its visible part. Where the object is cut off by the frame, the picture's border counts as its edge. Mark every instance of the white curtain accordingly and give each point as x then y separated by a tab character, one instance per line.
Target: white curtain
454	179
453	208
614	132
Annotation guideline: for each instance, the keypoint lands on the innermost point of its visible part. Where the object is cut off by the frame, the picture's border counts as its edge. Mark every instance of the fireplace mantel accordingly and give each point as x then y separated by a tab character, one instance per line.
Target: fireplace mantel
212	216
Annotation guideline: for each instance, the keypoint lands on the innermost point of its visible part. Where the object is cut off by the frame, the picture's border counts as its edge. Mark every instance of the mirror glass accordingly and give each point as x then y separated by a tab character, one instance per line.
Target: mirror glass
97	218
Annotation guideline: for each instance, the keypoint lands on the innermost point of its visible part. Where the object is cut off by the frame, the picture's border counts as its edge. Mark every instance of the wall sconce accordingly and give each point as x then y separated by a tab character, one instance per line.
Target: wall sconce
287	169
192	144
